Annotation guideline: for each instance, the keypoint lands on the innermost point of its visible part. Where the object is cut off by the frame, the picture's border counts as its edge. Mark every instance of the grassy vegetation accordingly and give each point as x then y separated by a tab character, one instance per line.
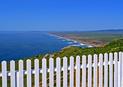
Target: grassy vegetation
114	46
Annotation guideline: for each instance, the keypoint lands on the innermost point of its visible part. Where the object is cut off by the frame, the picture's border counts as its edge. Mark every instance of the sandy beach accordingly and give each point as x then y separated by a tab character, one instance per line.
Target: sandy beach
87	41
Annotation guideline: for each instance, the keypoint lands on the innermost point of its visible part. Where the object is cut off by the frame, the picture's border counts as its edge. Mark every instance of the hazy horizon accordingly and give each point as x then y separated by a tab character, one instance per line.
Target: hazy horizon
62	30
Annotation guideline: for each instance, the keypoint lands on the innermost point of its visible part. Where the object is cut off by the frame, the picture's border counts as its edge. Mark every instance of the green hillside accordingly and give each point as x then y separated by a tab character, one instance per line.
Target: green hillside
114	46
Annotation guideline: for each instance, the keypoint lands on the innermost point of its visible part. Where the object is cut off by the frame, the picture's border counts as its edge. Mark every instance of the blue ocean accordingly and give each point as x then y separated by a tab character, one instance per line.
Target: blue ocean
17	45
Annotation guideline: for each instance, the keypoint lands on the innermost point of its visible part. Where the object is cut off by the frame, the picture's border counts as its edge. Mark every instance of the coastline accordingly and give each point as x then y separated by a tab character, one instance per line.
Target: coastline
71	40
82	41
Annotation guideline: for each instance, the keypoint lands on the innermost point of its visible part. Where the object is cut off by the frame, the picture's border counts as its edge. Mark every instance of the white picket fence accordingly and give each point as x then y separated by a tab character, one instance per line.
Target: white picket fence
103	70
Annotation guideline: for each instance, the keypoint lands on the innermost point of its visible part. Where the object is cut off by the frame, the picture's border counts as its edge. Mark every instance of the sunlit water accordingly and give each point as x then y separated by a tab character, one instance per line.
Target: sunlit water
17	45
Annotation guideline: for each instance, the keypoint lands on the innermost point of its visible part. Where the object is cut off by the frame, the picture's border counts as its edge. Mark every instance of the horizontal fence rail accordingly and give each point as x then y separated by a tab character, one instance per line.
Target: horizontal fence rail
103	70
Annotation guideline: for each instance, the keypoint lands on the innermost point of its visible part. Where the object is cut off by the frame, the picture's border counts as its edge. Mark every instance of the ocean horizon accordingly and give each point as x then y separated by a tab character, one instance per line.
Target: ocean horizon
16	45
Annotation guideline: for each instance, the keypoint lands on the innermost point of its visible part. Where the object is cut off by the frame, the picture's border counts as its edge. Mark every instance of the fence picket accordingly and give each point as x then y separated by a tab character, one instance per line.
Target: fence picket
112	76
51	73
100	70
84	71
106	70
36	62
4	74
65	70
95	71
58	72
119	74
44	73
116	70
78	71
17	75
20	75
111	70
89	71
120	70
13	75
71	71
29	78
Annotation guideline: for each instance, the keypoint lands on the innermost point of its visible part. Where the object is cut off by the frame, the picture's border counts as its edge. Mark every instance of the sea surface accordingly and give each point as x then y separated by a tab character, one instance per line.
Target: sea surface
17	45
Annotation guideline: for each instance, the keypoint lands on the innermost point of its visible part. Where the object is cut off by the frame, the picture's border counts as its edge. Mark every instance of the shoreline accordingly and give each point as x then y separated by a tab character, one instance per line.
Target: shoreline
88	42
71	40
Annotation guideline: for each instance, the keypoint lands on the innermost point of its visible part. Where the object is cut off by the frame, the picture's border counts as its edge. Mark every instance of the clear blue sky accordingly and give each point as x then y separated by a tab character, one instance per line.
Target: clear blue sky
60	15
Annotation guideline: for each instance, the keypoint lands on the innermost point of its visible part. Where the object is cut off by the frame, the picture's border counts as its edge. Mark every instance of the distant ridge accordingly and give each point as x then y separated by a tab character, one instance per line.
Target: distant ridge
111	30
108	30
